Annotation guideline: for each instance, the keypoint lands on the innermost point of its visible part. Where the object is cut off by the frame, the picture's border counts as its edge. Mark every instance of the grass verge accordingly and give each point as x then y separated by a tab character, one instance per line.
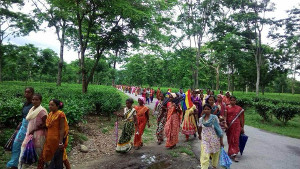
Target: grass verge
291	129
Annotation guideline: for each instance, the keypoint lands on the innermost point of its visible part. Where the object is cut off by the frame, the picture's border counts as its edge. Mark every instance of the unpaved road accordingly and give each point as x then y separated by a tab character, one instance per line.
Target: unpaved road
264	150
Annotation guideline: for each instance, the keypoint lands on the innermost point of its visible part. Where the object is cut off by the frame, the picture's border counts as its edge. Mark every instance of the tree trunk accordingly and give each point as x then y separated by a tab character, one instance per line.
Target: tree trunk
99	53
293	79
196	85
228	82
217	77
1	57
257	79
83	73
232	82
61	55
114	62
0	64
263	90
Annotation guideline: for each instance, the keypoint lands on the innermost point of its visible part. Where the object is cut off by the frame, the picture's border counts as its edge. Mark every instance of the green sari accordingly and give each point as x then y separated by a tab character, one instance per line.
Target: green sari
124	145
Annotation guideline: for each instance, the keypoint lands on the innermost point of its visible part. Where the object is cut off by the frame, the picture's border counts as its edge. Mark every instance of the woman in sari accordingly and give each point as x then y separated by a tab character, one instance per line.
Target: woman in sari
158	92
189	126
16	149
221	105
36	127
211	137
212	102
143	119
235	127
56	138
124	145
151	95
161	119
226	98
197	102
172	126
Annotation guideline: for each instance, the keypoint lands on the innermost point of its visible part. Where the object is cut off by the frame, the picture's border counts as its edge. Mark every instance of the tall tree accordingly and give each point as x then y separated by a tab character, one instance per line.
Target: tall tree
289	41
197	17
13	24
55	13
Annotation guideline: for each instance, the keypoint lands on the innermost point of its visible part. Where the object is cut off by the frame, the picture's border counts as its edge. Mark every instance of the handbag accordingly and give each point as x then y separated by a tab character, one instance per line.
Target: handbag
9	144
224	160
29	156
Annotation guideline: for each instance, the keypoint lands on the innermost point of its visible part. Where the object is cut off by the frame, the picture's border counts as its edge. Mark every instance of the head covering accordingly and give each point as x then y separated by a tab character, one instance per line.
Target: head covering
142	98
174	95
197	90
228	92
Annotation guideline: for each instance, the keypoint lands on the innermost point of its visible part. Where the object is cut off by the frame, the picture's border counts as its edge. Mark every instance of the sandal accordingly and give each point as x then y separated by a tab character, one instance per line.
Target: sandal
235	159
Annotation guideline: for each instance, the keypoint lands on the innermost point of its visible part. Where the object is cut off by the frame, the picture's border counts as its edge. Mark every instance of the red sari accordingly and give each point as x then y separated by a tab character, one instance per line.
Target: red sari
142	120
233	133
172	125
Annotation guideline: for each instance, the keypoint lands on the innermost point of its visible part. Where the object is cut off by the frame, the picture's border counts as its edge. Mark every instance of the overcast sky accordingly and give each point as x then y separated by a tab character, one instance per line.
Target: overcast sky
48	38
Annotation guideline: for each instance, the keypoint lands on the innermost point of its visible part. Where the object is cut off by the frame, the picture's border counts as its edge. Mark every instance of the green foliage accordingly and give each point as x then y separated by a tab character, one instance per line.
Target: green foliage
5	135
264	109
76	104
291	129
285	112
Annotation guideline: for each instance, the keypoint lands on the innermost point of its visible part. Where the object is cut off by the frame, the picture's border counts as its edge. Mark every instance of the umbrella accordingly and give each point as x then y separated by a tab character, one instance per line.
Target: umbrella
243	141
165	101
224	160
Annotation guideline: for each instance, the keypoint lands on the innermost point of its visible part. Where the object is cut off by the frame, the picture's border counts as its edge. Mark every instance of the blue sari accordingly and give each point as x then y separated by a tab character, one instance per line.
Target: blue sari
16	149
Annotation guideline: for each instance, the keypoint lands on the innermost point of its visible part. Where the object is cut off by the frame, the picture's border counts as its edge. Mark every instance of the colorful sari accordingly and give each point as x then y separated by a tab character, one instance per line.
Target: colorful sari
226	100
51	152
210	143
233	133
161	121
196	100
142	121
158	94
124	144
16	149
189	126
34	118
172	126
221	107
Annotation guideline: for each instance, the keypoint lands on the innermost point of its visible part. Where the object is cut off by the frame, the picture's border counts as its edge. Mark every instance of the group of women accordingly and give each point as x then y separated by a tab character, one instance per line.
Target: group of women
200	113
47	132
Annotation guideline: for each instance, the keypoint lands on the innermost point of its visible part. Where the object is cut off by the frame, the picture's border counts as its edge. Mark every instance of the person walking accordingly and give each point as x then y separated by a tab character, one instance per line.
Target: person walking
16	149
130	120
211	136
234	116
143	119
172	126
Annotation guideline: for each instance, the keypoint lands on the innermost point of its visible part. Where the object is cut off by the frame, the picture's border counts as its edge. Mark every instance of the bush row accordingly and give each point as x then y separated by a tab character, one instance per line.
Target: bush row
99	99
267	108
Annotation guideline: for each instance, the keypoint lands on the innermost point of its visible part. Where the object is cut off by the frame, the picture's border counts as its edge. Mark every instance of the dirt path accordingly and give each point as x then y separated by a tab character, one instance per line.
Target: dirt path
102	153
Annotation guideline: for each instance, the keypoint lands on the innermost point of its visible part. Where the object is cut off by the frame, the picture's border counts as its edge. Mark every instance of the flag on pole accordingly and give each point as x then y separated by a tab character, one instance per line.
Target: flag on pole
188	100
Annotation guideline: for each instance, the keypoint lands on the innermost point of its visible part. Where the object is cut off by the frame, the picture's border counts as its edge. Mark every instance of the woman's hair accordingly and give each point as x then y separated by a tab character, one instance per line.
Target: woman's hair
30	88
232	97
38	95
207	105
58	103
212	97
130	100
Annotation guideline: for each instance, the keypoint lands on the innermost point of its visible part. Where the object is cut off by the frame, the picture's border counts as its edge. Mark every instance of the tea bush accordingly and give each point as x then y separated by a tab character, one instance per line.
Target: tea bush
285	112
76	104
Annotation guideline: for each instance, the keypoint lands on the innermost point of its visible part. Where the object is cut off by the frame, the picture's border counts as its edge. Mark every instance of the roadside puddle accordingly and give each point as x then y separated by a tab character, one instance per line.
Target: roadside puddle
154	162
